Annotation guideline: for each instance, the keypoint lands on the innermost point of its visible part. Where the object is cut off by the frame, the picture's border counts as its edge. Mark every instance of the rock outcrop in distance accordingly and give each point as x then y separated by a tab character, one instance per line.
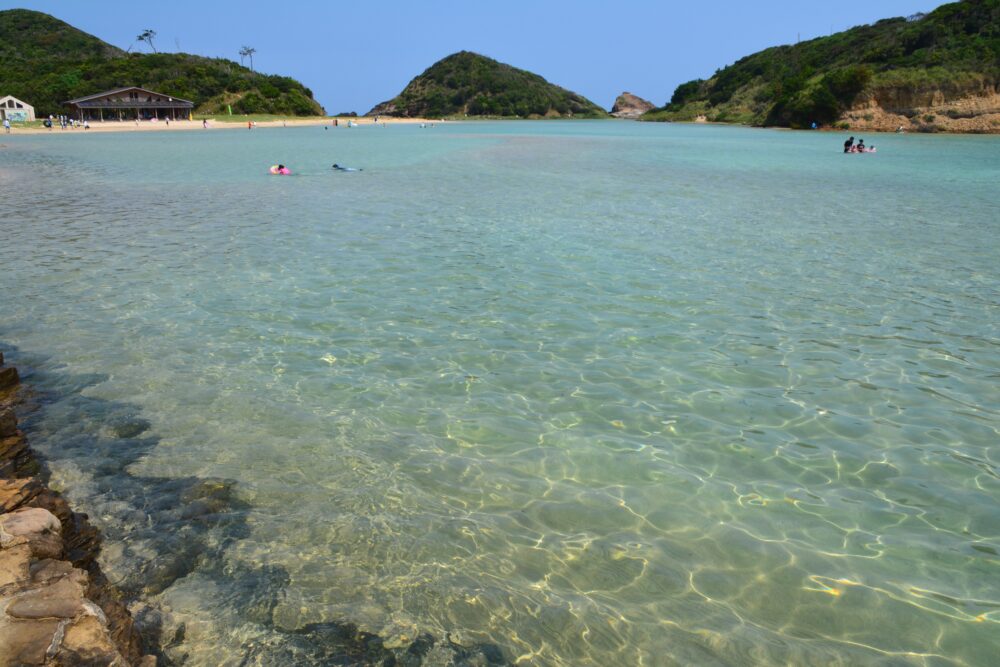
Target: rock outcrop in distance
628	105
469	84
47	61
927	72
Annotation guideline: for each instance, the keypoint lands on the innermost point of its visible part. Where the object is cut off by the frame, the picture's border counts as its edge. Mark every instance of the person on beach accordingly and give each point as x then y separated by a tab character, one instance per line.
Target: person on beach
6	125
86	124
848	145
204	123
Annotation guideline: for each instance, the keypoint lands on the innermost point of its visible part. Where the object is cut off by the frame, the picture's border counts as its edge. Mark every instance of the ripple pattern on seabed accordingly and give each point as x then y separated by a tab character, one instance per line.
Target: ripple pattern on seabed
591	393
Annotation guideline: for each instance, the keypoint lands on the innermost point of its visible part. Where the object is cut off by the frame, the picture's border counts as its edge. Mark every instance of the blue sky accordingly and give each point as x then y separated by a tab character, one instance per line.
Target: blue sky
356	54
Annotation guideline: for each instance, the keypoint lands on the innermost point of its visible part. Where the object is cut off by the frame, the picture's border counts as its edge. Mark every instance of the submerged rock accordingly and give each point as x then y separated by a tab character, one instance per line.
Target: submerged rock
9	378
128	427
8	423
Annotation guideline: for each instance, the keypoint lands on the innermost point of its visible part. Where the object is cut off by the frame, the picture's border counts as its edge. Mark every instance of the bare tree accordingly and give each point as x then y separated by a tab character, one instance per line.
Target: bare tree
247	51
147	36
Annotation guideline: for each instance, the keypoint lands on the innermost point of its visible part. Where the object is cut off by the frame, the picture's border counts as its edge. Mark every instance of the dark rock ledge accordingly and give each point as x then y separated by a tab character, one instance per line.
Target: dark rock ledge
56	606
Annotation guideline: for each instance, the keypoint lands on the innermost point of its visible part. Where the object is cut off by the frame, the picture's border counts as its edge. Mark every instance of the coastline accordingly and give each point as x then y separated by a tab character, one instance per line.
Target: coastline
56	605
196	125
882	129
191	125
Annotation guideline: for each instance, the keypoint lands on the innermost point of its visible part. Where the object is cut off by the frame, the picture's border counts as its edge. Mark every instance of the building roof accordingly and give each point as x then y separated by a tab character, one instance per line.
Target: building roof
24	105
97	99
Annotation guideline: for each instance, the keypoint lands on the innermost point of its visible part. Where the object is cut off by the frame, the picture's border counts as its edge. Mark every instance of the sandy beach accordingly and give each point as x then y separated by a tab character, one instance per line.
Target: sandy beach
211	124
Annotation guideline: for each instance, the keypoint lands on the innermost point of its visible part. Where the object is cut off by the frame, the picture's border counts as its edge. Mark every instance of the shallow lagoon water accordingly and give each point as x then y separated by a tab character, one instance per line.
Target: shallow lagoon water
592	392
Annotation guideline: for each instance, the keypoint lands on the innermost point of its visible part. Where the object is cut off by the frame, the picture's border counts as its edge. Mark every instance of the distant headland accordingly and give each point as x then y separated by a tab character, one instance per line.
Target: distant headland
469	84
927	73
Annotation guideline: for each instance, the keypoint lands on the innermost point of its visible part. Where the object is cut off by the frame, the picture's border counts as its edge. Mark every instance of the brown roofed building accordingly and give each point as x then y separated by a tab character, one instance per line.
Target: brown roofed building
130	104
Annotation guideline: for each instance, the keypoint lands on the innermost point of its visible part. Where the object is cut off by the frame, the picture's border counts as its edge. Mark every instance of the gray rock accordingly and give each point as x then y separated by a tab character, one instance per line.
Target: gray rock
45	604
34	526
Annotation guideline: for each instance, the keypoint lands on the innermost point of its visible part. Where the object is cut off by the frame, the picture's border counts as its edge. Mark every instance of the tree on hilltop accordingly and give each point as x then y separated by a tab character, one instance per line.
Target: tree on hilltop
147	36
247	51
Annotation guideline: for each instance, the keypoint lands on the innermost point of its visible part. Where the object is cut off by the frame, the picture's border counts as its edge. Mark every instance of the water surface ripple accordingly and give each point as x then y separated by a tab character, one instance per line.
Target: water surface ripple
590	393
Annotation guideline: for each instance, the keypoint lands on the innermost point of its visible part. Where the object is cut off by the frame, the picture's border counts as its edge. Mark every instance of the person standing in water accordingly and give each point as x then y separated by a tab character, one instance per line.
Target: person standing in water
848	145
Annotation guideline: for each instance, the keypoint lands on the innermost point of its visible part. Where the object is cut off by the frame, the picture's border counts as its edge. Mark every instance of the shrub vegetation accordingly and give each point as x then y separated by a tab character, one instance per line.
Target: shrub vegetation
467	83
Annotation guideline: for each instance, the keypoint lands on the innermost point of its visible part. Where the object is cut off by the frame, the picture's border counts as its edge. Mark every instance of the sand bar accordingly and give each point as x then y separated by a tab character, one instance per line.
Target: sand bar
211	124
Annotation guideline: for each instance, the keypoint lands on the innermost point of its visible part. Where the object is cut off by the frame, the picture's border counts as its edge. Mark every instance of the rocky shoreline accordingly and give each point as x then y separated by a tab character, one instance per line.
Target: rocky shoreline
58	609
56	606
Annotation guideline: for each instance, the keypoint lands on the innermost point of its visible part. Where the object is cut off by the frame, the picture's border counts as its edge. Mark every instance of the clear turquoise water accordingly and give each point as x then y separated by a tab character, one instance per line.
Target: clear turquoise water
598	393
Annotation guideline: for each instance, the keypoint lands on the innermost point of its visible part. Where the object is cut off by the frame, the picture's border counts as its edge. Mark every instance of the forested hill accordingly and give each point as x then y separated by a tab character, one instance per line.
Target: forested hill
895	66
46	61
467	83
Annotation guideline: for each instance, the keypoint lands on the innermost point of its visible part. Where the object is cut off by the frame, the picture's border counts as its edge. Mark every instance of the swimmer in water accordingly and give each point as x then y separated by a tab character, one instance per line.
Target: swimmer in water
337	167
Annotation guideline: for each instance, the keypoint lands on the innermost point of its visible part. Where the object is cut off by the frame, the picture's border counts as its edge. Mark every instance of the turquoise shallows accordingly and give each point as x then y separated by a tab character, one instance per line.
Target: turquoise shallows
599	393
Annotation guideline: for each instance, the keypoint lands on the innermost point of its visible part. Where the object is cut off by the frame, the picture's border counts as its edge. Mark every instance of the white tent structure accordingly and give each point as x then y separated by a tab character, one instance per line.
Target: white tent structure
15	110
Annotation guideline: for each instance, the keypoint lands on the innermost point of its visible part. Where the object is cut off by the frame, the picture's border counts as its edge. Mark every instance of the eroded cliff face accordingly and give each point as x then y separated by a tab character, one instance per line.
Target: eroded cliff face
975	110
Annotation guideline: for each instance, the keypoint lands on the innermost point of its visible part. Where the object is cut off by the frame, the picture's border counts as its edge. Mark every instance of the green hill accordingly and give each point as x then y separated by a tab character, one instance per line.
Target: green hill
46	61
895	65
467	83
